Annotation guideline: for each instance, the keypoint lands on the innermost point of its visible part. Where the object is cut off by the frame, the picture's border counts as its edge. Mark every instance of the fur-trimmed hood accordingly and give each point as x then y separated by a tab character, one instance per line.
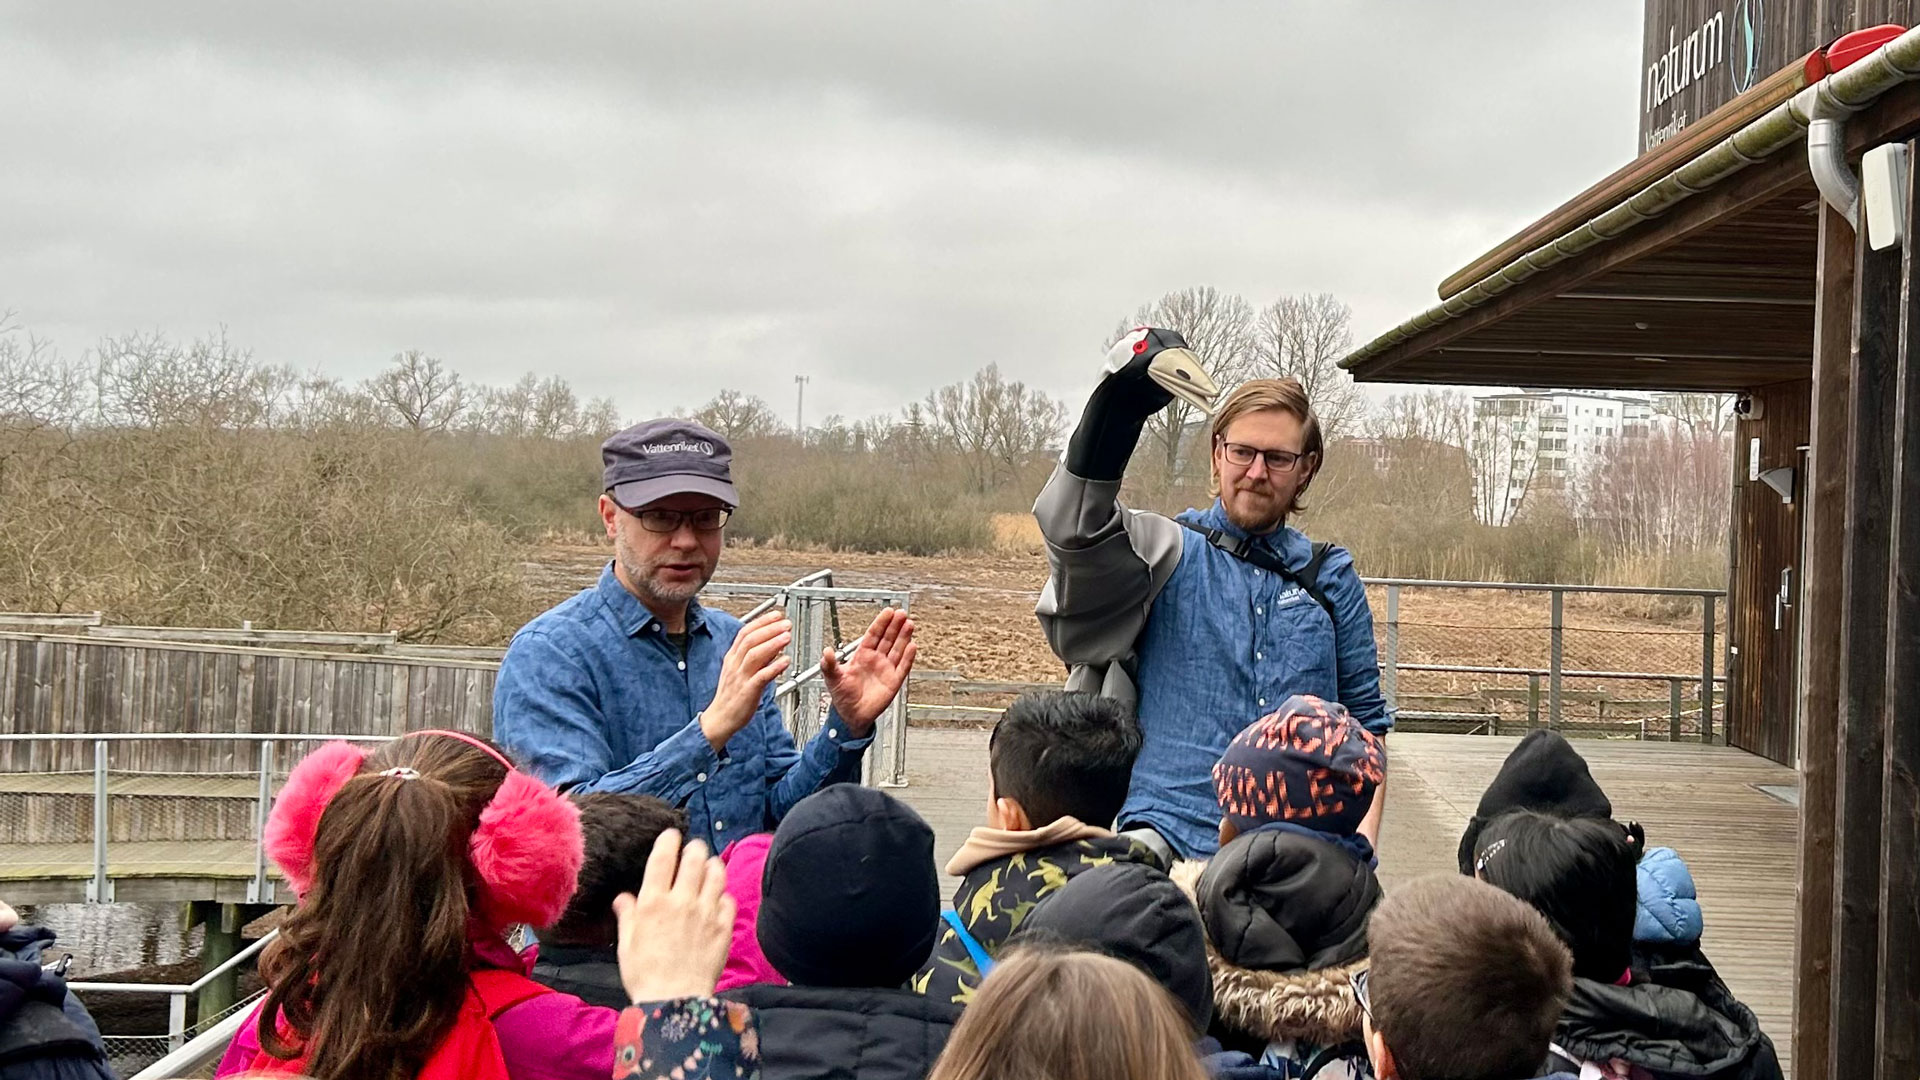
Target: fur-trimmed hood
1313	1006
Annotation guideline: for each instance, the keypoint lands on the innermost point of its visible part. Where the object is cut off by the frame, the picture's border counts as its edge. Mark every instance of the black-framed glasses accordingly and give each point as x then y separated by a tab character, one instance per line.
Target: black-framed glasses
711	519
1279	461
1359	981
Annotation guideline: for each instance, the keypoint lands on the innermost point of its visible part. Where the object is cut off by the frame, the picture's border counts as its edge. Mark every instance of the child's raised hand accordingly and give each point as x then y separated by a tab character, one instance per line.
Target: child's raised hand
675	933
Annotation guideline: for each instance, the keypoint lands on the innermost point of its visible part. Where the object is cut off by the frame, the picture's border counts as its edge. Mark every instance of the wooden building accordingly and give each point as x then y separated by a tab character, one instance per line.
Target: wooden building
1712	262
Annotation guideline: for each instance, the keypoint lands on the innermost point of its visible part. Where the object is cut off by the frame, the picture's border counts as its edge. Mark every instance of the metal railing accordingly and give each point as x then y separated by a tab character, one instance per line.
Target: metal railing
177	992
1643	649
201	1051
814	605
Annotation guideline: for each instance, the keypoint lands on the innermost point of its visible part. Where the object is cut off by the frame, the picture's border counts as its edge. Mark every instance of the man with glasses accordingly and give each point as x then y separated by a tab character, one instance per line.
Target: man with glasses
633	686
1211	619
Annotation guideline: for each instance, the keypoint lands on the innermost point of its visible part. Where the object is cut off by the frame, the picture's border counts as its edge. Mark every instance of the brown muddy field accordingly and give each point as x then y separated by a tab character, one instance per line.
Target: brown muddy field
975	611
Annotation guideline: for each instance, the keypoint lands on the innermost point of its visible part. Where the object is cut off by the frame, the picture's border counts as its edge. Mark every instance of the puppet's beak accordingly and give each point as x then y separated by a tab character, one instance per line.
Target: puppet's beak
1178	372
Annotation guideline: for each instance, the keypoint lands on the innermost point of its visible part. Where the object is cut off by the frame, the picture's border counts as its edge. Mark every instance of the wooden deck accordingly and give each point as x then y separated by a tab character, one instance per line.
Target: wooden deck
1699	800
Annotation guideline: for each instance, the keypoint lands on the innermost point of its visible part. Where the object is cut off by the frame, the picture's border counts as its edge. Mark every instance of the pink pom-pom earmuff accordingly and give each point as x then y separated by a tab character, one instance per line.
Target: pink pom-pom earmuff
295	819
527	852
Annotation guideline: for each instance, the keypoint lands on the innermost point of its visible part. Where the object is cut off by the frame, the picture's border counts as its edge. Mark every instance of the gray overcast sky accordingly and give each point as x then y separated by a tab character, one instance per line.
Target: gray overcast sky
656	201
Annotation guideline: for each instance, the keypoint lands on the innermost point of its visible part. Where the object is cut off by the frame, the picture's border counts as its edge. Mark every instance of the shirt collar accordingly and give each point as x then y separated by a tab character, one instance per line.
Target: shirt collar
1280	541
635	617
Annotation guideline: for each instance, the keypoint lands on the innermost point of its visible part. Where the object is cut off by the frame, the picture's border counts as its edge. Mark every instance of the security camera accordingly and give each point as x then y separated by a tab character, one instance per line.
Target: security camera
1746	408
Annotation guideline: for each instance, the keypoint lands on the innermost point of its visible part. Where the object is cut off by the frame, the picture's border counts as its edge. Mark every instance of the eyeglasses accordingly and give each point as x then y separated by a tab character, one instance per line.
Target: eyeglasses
712	519
1359	981
1279	461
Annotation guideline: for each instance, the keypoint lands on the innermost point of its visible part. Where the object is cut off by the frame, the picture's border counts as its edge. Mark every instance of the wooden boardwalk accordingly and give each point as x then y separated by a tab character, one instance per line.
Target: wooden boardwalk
1741	843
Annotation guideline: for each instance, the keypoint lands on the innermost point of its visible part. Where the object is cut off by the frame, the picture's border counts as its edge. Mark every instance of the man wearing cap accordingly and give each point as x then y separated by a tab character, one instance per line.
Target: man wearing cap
632	686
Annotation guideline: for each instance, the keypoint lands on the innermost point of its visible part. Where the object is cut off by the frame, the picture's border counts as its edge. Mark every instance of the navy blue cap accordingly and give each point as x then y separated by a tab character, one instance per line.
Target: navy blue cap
657	458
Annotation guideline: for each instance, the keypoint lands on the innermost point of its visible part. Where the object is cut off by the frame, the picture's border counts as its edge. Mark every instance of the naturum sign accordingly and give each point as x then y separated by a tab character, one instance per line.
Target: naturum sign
1698	60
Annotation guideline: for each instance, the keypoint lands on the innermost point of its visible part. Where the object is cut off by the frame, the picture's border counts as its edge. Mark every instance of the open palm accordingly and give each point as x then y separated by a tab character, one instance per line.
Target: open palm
867	682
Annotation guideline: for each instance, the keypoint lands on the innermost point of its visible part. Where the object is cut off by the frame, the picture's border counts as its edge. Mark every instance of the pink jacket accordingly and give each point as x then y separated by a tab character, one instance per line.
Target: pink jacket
746	861
550	1037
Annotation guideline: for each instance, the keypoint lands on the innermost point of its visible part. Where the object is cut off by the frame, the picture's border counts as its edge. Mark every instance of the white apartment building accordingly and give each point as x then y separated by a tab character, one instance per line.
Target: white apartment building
1544	440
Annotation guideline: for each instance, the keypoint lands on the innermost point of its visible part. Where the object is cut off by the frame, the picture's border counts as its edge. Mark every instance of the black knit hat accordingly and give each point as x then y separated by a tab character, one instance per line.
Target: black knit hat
1132	912
850	894
1309	763
1545	774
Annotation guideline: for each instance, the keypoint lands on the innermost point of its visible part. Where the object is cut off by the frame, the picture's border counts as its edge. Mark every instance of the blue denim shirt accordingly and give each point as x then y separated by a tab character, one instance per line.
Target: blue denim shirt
1225	643
593	697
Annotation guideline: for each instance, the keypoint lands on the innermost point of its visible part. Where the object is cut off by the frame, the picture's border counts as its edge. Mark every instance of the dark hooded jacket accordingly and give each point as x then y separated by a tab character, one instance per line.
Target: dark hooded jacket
997	895
590	974
1286	921
1545	774
1132	912
1676	1019
45	1033
848	911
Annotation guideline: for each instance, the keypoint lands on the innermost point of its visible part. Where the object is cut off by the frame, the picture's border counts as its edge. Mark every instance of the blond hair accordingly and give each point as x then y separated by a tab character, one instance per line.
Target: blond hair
1267	395
1051	1014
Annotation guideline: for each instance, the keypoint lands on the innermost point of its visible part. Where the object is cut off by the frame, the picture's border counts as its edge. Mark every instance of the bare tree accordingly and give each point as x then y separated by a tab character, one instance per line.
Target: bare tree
738	415
1219	329
1442	417
1304	337
994	424
600	418
555	409
1505	452
420	391
145	380
1701	415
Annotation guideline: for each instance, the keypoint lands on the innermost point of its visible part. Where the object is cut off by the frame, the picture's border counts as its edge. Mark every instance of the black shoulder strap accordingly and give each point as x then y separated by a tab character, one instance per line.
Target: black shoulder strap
1307	577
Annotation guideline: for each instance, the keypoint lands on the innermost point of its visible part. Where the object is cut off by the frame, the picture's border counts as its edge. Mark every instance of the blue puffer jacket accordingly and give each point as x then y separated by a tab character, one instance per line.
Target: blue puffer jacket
1669	909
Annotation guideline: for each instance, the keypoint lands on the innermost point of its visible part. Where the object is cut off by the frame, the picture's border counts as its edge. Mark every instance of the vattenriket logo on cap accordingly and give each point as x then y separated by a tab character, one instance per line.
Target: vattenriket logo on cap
681	447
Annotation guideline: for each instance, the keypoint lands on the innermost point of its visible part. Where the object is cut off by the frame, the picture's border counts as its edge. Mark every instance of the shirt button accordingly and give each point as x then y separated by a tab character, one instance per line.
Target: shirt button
833	733
702	777
683	665
719	825
1263	701
1259	656
1259	611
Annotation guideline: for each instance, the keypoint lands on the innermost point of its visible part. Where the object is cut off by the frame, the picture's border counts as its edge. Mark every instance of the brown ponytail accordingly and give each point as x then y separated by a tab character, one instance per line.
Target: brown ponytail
369	972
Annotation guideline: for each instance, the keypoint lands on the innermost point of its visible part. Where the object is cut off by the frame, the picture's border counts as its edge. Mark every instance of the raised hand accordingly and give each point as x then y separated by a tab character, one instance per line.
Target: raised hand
675	933
869	680
756	658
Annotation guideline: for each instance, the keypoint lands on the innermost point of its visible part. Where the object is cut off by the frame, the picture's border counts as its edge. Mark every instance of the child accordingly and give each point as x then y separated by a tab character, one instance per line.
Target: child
1544	773
1058	768
411	861
1465	984
577	954
1286	900
847	915
1070	1016
1639	1013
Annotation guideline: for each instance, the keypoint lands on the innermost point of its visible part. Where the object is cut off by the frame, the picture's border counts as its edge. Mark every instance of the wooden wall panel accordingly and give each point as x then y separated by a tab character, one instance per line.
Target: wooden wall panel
1762	679
51	684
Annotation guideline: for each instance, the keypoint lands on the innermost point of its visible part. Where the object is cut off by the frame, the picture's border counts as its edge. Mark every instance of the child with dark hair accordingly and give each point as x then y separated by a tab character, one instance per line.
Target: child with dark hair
1578	872
1465	984
1545	774
578	954
1059	765
1285	901
1646	1012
